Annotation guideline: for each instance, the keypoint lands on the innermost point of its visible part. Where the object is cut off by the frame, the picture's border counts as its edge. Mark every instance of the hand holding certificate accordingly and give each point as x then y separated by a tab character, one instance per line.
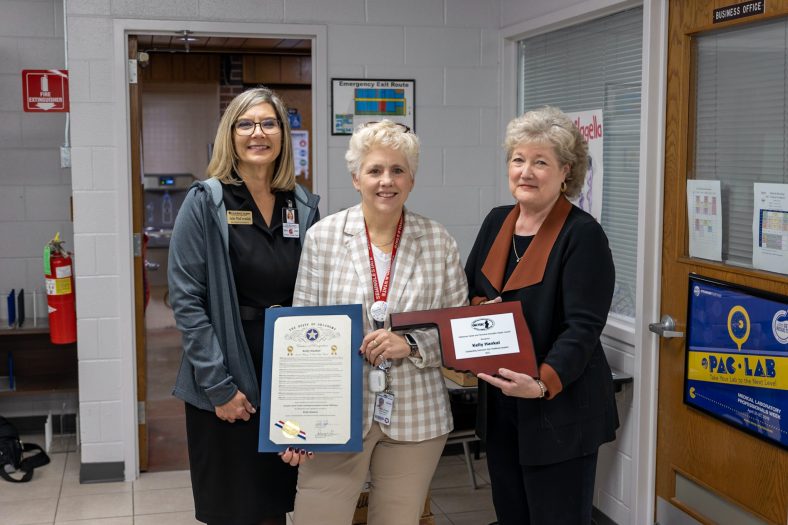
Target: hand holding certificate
478	339
311	386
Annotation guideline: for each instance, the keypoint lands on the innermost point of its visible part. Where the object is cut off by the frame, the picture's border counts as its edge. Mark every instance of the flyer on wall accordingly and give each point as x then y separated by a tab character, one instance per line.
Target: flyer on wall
704	219
355	101
592	128
770	227
310	393
737	357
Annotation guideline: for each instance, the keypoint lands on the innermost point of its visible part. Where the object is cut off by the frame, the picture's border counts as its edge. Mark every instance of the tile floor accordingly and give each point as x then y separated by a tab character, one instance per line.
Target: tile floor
55	496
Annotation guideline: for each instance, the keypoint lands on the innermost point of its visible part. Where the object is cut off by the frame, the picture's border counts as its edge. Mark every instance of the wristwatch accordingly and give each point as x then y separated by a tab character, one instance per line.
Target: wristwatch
414	346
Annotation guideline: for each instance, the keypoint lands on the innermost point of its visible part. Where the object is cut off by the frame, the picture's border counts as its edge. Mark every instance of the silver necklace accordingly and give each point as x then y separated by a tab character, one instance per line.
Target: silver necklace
514	247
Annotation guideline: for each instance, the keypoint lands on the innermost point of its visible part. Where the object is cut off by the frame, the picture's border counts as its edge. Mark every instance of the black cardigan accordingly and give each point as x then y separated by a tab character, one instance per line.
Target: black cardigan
566	313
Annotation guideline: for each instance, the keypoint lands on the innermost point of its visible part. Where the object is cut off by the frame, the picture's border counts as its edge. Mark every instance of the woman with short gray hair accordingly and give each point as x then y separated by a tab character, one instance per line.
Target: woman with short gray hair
388	259
543	432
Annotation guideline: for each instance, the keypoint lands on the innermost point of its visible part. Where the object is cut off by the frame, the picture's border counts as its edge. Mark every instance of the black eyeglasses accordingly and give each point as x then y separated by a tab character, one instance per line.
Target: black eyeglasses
269	126
400	126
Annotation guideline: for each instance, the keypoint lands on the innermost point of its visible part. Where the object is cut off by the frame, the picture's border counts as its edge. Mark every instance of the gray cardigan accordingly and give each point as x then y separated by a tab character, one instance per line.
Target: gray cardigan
216	362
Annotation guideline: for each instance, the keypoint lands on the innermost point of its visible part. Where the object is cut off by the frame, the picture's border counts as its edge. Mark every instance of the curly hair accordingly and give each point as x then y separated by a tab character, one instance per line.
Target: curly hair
386	134
550	126
224	160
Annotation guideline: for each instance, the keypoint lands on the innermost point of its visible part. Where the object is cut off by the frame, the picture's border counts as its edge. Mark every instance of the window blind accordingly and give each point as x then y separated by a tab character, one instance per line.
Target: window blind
589	66
740	122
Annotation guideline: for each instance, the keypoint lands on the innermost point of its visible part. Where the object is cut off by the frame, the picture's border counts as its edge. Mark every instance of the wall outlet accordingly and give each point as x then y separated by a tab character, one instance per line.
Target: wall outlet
65	157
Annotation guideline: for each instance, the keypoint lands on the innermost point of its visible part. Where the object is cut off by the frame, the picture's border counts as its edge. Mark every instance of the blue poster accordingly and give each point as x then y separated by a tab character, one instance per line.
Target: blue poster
737	357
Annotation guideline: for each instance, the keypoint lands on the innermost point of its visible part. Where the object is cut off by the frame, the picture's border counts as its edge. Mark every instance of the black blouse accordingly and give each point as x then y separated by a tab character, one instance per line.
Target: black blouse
264	262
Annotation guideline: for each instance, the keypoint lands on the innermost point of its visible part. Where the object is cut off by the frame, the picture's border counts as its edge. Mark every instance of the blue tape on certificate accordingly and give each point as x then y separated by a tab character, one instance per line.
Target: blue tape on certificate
737	357
311	389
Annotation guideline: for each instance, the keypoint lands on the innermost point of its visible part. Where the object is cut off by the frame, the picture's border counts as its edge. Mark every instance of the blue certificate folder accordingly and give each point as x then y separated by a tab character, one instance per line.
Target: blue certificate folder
301	439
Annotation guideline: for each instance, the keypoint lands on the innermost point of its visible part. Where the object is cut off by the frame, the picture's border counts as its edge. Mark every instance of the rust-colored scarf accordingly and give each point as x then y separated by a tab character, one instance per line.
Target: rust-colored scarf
530	269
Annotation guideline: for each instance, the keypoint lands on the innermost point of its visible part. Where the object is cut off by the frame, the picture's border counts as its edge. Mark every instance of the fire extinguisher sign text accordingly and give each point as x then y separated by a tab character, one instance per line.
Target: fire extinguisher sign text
45	90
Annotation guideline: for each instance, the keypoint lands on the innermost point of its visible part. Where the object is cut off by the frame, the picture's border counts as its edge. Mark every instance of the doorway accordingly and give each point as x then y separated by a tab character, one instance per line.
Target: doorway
710	470
184	82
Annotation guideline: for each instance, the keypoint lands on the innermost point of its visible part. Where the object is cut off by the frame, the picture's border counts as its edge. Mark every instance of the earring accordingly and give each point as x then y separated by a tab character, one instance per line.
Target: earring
563	186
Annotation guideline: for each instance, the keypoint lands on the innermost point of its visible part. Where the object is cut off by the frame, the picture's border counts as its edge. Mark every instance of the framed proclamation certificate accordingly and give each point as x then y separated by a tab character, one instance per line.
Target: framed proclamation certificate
311	388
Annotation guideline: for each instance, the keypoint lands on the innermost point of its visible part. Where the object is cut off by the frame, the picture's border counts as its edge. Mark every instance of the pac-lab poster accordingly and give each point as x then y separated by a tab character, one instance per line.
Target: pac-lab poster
737	357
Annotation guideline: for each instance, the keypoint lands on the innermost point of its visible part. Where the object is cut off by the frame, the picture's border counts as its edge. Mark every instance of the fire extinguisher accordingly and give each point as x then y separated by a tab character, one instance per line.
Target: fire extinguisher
59	275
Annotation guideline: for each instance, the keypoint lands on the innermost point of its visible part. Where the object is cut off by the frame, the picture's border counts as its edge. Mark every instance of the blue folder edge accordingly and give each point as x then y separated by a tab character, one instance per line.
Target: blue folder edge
357	335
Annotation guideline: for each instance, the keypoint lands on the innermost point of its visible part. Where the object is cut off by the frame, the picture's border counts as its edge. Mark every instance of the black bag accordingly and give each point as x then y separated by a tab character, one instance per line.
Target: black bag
12	450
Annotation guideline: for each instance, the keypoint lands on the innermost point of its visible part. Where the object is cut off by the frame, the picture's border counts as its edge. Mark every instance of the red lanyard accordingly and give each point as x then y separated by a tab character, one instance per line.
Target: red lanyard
381	293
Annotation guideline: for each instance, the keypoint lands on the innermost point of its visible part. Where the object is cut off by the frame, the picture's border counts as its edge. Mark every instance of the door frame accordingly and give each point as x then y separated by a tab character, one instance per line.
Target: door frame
120	112
642	475
689	22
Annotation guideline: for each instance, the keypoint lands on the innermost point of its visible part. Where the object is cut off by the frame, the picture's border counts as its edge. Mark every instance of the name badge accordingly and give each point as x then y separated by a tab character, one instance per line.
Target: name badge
290	231
384	405
290	221
289	215
239	217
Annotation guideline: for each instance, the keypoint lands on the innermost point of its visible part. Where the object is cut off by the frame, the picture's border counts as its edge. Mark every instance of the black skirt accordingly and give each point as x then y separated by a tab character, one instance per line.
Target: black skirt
233	484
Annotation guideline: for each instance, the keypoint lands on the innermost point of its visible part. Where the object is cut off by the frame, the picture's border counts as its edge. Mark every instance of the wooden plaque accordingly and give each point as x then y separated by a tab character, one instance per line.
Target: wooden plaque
478	326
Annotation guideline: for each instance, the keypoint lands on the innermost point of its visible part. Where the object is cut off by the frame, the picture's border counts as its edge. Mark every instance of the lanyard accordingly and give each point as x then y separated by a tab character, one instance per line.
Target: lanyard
382	292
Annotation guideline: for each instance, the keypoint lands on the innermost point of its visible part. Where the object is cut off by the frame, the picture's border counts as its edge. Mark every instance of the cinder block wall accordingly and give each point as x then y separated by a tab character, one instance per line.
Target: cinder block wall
450	47
34	189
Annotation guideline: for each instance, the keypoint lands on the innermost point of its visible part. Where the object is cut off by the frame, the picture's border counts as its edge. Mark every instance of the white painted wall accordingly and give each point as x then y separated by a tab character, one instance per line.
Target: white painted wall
34	189
179	122
458	52
450	47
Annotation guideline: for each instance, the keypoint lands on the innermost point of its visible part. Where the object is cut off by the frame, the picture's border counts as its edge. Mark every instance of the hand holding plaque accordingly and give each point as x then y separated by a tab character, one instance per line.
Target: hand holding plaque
478	339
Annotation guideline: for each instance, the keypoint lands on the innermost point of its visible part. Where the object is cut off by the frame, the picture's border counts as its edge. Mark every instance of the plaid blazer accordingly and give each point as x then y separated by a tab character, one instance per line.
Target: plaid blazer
334	269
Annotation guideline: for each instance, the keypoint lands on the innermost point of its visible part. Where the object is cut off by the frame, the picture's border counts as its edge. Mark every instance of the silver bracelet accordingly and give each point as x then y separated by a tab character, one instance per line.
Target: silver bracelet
542	388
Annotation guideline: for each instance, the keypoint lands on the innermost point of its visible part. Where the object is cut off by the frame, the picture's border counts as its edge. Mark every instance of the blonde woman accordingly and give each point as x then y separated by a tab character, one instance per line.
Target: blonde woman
234	252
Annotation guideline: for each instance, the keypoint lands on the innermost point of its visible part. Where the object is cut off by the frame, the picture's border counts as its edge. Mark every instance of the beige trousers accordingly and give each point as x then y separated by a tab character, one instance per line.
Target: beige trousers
400	473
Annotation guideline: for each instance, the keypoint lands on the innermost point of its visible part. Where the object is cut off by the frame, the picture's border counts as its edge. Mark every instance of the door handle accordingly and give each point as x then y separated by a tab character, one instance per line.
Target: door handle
666	327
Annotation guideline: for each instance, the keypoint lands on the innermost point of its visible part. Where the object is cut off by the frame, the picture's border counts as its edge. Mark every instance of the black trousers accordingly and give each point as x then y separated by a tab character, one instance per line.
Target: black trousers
556	494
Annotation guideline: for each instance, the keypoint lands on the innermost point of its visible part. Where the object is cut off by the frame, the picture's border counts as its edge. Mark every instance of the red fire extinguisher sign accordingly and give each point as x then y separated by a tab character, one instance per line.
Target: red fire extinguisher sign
45	90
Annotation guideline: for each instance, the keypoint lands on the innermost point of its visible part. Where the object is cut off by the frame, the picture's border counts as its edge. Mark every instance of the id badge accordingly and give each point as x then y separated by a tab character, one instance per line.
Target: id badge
290	223
384	405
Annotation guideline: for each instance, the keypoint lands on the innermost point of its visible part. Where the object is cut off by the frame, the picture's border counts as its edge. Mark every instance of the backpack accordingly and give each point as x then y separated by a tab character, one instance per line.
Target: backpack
12	450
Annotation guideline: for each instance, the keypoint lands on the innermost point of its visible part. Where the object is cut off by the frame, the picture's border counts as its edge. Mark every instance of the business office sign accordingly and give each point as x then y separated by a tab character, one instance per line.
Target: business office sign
737	357
45	90
732	12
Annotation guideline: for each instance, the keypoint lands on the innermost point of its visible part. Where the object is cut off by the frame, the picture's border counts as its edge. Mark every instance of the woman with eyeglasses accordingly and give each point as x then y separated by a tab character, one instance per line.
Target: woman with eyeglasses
389	259
234	252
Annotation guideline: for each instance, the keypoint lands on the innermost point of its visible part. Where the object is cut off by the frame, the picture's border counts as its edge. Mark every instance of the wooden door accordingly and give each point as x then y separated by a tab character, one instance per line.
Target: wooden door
735	467
137	204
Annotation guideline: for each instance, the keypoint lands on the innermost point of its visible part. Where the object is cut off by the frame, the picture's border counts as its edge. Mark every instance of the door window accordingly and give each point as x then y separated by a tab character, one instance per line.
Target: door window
741	122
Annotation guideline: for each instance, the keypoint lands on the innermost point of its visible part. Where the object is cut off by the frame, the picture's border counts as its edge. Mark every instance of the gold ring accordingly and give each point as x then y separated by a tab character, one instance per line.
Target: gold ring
375	341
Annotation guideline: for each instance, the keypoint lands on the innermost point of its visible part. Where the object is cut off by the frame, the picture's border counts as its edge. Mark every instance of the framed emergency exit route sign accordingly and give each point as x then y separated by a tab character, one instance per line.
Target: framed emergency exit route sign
45	90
